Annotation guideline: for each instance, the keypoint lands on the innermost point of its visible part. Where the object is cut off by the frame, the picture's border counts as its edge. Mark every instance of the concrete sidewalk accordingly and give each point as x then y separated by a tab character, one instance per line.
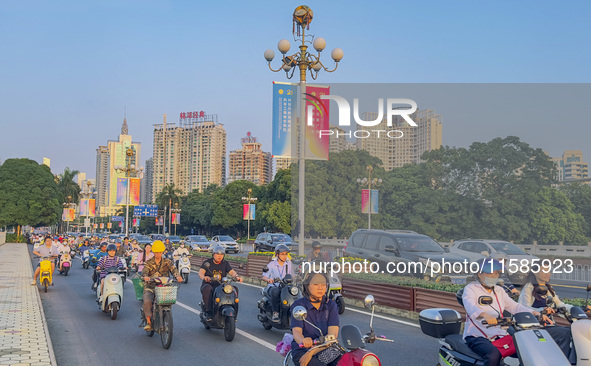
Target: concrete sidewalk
24	337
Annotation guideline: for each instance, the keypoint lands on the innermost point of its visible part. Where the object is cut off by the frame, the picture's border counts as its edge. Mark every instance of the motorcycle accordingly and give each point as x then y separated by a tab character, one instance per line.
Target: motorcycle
288	294
73	251
184	267
225	309
165	296
45	277
65	263
112	297
353	346
445	325
85	259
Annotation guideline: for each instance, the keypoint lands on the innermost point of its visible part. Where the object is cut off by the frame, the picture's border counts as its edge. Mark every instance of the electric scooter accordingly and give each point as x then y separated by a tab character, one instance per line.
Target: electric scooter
184	267
112	296
65	263
45	276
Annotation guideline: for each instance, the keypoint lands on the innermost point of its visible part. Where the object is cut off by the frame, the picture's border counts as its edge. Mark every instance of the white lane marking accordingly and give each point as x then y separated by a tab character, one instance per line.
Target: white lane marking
385	317
241	332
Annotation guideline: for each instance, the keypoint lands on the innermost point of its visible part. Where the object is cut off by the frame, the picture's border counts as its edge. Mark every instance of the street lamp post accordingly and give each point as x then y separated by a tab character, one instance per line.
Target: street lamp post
248	200
128	168
302	16
369	183
175	210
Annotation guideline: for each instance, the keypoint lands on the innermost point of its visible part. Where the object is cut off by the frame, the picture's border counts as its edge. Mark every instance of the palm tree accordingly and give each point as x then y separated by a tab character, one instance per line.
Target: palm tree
169	196
67	186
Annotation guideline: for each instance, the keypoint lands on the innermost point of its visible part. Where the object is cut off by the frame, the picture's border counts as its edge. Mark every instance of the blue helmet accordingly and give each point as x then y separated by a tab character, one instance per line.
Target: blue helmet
489	265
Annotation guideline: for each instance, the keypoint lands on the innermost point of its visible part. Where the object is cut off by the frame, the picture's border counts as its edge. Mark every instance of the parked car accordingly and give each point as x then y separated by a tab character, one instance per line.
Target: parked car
155	237
266	242
174	239
197	242
113	238
226	241
141	239
476	249
384	246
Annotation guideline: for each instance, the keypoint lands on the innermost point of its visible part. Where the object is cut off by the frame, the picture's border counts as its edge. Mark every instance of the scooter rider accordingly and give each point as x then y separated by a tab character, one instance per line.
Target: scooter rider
535	297
98	256
44	250
323	313
316	255
120	248
478	337
110	260
278	268
155	267
211	273
507	285
176	255
62	248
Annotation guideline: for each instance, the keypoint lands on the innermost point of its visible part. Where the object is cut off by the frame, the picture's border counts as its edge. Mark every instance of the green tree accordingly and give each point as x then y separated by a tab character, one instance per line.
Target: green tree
278	216
580	196
198	209
169	195
554	220
227	209
28	194
67	187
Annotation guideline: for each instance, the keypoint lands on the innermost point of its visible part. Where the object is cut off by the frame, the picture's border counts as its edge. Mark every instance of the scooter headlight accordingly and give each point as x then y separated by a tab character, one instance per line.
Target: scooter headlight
370	360
228	289
114	279
294	291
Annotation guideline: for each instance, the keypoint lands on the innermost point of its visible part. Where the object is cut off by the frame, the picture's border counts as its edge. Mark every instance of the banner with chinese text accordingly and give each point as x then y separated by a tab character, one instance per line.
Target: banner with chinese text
317	113
284	105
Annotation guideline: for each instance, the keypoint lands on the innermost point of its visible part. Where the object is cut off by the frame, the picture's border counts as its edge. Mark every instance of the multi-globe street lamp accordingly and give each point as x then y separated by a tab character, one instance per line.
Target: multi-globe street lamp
305	61
375	182
129	169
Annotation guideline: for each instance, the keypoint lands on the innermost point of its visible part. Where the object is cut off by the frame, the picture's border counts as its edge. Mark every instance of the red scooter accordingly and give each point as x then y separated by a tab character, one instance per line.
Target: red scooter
353	351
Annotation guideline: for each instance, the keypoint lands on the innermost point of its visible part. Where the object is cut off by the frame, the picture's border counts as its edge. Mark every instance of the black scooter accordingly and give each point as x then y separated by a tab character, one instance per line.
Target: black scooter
288	294
225	309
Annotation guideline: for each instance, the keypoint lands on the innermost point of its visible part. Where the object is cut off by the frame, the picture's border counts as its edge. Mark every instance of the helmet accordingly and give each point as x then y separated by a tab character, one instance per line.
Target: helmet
103	244
281	248
308	279
182	243
489	265
219	250
316	245
158	246
111	247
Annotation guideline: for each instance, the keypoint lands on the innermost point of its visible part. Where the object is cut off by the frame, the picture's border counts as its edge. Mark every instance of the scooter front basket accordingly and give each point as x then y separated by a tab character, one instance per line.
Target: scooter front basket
166	295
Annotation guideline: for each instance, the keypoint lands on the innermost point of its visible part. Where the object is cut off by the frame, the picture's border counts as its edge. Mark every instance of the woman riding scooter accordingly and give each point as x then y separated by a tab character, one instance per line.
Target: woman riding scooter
534	296
109	261
480	338
278	268
323	313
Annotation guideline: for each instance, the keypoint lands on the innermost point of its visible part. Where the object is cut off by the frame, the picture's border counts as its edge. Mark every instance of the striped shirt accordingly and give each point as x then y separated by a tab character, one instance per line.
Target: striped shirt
106	262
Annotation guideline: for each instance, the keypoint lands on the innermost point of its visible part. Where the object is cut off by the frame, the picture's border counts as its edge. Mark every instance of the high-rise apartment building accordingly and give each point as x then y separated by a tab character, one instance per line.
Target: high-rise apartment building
338	142
400	143
571	166
115	153
250	163
192	154
146	183
102	179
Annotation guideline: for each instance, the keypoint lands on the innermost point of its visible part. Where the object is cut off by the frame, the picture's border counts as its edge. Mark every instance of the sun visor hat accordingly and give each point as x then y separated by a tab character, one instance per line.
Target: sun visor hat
489	265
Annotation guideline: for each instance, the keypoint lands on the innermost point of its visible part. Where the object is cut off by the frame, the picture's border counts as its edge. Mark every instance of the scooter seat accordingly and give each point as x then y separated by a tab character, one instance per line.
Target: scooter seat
456	341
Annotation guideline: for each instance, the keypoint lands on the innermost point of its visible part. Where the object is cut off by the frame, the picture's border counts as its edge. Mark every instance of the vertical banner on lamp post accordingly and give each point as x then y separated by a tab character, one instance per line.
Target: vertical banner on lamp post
121	191
136	222
72	214
109	225
65	214
92	207
284	104
317	146
102	225
176	218
365	201
83	207
248	211
134	191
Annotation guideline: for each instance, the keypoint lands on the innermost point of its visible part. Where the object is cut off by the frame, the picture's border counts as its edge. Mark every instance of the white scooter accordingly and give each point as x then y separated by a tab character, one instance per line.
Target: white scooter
112	297
184	267
535	346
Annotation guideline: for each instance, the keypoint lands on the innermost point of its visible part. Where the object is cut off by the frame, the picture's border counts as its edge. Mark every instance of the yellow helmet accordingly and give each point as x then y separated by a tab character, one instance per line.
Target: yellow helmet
158	246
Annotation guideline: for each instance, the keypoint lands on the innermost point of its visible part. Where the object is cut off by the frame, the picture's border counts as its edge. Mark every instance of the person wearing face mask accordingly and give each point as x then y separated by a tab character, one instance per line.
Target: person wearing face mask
535	294
479	338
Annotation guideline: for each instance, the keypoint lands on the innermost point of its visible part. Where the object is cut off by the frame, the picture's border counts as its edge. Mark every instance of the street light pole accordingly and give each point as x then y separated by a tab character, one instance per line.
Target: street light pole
248	201
302	16
128	168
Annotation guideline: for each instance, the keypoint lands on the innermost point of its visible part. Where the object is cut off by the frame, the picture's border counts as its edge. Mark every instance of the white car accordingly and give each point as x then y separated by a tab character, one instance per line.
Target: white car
476	249
225	241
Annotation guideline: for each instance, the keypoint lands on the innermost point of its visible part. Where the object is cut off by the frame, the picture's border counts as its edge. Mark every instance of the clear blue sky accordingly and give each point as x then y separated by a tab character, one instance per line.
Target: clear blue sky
68	68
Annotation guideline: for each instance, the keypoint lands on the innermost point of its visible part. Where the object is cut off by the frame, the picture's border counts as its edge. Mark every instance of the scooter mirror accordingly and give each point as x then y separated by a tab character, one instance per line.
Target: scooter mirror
369	301
206	265
224	279
501	283
485	300
542	290
300	313
549	300
265	269
589	287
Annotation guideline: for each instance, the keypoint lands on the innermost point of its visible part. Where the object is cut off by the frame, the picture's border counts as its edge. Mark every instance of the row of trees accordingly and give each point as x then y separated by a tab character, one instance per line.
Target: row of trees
501	189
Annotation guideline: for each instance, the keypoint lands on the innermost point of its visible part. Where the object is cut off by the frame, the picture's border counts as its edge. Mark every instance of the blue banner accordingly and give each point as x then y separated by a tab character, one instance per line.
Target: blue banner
284	107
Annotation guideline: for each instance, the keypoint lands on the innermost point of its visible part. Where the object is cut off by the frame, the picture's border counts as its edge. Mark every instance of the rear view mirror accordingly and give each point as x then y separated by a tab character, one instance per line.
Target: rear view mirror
542	290
485	300
265	269
299	313
392	249
369	301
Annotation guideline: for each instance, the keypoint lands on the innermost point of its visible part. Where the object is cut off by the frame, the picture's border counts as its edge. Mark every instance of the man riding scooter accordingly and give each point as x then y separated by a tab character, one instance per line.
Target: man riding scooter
211	274
155	267
176	255
278	268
